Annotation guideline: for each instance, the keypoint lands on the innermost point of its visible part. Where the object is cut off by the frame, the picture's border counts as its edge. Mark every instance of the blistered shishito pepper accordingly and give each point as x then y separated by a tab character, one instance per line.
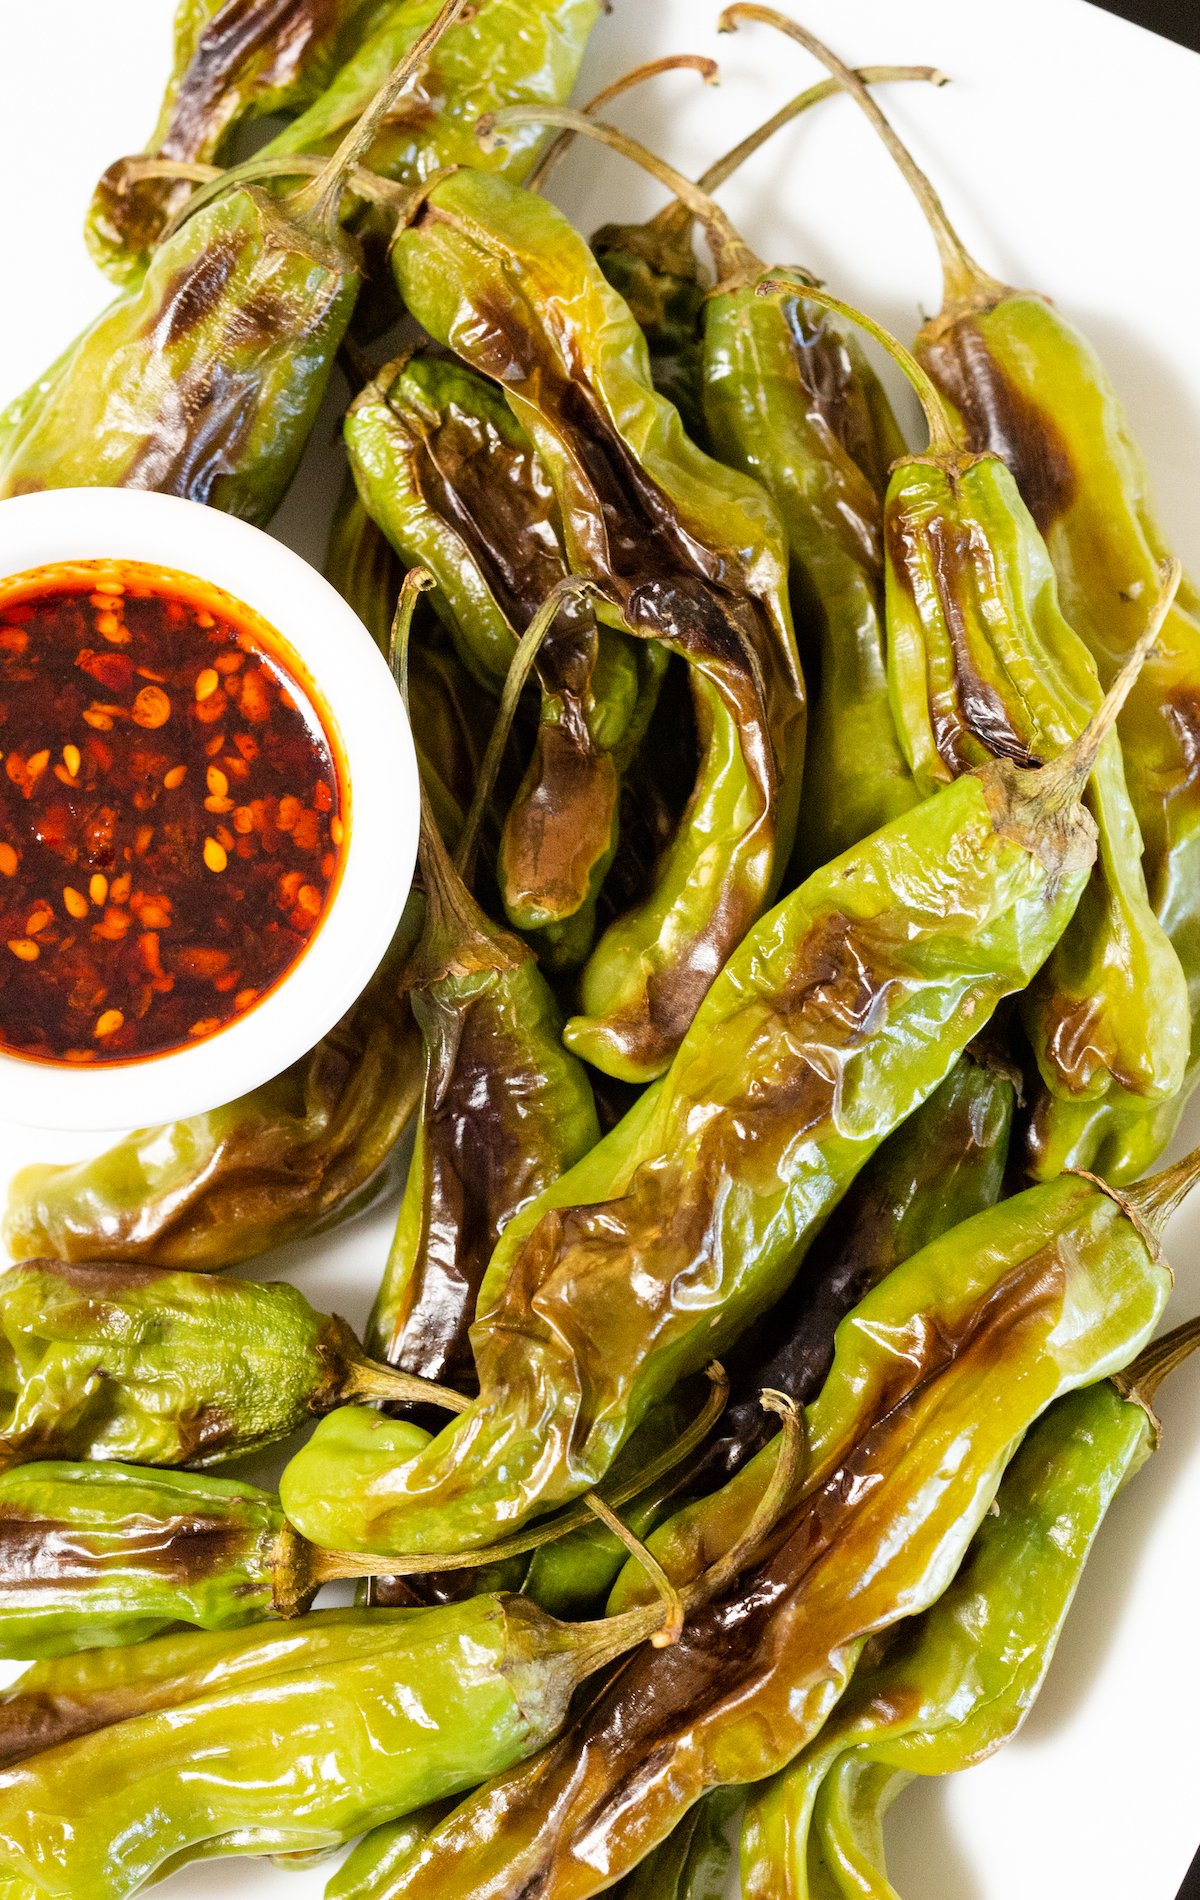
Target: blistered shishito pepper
693	1863
287	1742
234	61
683	552
371	1867
506	1110
938	1375
204	380
1030	388
163	1368
841	1012
447	471
950	1688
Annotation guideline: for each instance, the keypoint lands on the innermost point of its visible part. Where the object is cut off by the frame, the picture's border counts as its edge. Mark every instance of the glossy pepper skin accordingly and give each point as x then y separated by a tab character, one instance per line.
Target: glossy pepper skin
790	398
842	1011
685	553
949	1689
694	1861
983	664
372	1865
655	269
505	1110
179	1774
446	470
233	61
155	1367
938	1374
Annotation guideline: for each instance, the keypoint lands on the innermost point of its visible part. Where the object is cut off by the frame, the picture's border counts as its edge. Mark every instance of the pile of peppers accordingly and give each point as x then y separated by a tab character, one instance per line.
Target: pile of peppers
800	984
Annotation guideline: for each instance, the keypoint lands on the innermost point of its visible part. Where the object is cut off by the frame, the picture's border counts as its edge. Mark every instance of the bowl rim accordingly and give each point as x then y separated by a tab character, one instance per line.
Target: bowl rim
319	632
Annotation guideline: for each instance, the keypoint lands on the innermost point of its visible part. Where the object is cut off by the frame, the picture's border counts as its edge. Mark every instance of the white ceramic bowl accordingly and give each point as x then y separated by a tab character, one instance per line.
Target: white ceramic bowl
369	726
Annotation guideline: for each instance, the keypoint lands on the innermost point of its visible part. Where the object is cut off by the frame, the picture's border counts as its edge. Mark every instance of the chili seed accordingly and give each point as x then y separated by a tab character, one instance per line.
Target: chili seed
120	889
97	720
207	683
243	820
207	1026
98	888
215	855
244	998
308	898
38	918
175	777
151	708
75	902
216	781
22	948
38	763
8	861
72	759
109	1023
218	804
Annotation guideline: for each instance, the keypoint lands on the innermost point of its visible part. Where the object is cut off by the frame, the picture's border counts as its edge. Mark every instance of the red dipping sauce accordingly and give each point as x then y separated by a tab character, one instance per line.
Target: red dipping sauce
172	812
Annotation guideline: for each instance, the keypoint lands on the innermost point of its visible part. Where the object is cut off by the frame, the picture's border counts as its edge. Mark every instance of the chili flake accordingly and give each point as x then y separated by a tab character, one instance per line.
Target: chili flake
118	682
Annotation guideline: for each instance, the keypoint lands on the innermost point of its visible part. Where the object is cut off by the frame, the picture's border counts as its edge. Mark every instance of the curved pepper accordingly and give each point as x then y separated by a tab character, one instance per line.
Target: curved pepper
952	1687
937	1376
452	479
684	552
841	1012
160	1368
233	61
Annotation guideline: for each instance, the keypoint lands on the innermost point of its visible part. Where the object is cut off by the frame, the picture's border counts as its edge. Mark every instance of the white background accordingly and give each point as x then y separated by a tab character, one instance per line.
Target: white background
1068	149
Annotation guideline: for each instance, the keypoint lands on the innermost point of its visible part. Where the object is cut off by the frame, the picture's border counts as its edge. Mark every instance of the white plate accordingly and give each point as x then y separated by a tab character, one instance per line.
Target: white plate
1069	149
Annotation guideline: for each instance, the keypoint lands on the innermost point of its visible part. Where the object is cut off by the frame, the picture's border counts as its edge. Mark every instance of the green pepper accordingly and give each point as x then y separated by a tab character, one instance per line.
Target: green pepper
204	380
938	1374
841	1012
682	552
1031	389
506	1109
948	1689
694	1861
372	1866
454	482
233	61
260	1743
159	1368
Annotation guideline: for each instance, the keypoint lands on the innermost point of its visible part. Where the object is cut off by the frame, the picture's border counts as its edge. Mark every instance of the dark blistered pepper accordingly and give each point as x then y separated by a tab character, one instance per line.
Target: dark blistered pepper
205	379
684	553
841	1012
938	1374
449	474
1030	388
505	1110
233	61
949	1688
157	1367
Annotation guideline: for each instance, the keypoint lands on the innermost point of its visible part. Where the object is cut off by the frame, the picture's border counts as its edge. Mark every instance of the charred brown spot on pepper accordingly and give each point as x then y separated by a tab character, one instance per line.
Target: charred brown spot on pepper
1001	418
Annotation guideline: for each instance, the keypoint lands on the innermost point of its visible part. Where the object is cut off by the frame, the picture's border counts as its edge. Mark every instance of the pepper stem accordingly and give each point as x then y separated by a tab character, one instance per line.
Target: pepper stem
670	1631
321	199
1154	1201
365	184
966	282
731	254
1156	1362
788	1466
573	587
942	439
368	1381
339	1564
637	76
1066	775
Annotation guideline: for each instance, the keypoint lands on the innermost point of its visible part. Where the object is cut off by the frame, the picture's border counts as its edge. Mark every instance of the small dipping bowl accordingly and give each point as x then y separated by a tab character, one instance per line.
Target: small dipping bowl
317	640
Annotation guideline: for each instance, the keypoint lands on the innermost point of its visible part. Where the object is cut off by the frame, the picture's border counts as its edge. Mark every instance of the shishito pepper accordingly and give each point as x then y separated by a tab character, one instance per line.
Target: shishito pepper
204	381
950	1688
844	1008
361	1716
938	1375
1031	389
161	1368
233	61
683	552
446	470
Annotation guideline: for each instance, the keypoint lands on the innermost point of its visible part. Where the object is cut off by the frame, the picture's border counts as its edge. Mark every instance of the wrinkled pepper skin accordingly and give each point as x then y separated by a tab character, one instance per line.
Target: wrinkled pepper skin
223	1186
154	1367
448	473
950	1688
790	398
842	1011
234	61
179	1774
505	1110
687	554
938	1375
100	1554
1031	389
655	269
983	664
203	382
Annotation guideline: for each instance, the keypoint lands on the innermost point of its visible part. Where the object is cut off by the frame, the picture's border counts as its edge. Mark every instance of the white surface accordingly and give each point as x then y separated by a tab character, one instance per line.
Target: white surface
321	640
1068	149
